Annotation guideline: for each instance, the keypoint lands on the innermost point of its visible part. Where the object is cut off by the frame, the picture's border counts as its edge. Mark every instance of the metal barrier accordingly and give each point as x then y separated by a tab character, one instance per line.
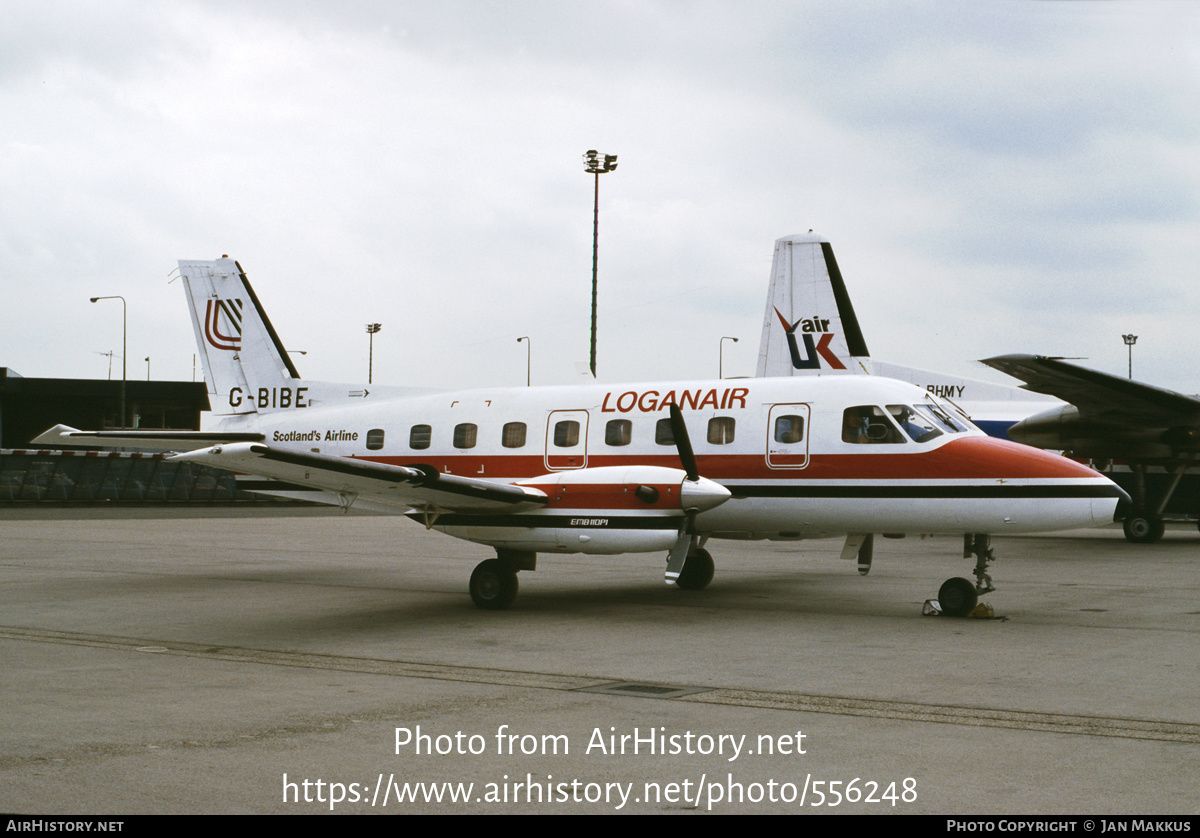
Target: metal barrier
86	476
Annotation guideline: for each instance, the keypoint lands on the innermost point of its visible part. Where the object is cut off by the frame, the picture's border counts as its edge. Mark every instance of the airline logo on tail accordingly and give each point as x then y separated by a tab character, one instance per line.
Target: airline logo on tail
223	324
813	350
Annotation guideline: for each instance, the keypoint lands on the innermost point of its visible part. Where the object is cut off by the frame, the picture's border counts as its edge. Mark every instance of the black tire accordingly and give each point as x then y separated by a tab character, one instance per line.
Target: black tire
493	585
957	597
1141	528
697	571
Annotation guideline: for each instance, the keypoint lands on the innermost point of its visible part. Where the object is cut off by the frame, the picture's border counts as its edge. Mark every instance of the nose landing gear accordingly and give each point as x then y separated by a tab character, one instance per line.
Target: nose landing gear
958	597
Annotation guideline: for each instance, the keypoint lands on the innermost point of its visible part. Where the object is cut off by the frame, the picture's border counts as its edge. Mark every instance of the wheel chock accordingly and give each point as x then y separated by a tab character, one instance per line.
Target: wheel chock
982	611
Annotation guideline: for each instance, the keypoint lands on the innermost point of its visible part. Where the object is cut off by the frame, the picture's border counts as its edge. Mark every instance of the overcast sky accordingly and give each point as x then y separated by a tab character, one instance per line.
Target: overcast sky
995	177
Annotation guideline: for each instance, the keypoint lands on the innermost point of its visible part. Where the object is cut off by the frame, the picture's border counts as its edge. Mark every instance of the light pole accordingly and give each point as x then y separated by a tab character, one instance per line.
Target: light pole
147	367
528	356
596	164
372	330
109	353
721	357
1130	340
124	345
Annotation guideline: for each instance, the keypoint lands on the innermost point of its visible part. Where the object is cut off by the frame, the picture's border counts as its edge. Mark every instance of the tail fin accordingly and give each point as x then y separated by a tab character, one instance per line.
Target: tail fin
242	355
809	327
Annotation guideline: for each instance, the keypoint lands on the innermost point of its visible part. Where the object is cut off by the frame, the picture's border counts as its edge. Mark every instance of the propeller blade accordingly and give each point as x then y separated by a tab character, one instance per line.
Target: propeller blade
679	552
683	443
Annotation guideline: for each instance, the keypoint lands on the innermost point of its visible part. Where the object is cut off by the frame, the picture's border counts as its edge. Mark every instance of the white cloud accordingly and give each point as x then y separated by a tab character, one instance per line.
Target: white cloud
994	178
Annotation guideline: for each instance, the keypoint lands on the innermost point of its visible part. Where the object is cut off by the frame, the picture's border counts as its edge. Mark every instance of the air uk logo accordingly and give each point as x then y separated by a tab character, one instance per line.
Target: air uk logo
814	350
223	324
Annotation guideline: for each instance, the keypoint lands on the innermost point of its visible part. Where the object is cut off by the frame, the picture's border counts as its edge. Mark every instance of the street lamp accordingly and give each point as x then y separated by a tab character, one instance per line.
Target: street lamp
596	164
1130	340
721	357
528	356
372	330
124	345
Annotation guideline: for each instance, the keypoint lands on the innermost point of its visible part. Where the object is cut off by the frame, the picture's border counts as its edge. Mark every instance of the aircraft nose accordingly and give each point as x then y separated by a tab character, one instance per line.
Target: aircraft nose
702	495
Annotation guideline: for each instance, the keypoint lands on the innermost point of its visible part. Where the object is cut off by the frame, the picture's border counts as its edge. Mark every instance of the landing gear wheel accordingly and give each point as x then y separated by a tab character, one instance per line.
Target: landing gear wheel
1142	528
697	571
493	585
957	597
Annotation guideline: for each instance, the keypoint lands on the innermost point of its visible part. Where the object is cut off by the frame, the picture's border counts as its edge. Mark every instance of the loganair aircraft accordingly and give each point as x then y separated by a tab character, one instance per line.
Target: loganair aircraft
605	469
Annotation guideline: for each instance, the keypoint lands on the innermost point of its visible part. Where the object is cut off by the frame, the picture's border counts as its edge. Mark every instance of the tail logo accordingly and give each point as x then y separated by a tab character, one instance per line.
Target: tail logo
813	350
223	324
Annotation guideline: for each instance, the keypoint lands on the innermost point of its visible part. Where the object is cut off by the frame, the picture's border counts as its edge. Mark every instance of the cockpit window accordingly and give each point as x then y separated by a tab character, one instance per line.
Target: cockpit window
944	418
918	426
869	425
924	421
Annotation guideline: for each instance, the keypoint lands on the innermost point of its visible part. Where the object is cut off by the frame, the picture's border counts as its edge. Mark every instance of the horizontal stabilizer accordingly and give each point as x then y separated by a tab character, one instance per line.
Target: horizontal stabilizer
157	440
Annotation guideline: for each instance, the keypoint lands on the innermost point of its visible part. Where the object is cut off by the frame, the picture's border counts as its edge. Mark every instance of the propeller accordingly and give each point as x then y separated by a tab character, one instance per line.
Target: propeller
703	495
683	443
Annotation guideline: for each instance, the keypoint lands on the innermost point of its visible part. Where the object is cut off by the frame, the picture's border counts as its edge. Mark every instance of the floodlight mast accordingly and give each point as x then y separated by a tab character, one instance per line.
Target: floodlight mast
372	330
596	164
1130	340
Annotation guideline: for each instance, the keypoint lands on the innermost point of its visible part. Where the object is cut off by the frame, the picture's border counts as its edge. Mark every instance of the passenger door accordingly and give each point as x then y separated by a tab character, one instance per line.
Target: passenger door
787	436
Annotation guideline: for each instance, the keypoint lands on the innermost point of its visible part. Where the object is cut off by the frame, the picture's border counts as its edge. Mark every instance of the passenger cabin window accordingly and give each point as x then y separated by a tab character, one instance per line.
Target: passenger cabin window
720	429
869	425
513	435
789	429
618	432
663	434
375	439
465	434
418	437
566	433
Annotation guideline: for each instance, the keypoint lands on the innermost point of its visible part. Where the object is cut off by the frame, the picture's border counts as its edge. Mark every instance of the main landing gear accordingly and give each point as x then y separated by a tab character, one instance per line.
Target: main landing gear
1142	527
697	570
958	597
1144	523
494	582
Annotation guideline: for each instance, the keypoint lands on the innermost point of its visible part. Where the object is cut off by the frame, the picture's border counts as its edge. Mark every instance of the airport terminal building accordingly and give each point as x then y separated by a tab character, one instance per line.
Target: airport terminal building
29	406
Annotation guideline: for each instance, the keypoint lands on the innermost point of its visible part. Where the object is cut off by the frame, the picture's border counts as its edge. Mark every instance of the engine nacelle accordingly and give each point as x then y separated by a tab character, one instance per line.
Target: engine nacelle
604	510
1049	429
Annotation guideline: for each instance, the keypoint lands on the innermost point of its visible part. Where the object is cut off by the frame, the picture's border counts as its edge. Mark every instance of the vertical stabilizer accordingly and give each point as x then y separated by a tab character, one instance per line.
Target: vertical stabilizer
809	327
242	355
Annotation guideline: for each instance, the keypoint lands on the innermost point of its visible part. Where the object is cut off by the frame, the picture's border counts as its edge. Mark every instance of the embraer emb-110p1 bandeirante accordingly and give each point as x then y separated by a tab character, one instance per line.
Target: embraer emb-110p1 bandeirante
604	469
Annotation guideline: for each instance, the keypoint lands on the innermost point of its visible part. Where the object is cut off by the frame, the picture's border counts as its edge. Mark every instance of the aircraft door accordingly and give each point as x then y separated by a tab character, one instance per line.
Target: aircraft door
566	439
787	436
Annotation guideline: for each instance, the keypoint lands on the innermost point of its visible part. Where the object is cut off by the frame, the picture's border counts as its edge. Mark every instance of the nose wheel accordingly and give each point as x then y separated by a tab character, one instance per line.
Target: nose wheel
958	597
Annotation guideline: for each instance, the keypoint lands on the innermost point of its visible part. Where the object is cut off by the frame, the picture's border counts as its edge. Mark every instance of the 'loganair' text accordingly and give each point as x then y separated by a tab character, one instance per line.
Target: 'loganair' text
650	400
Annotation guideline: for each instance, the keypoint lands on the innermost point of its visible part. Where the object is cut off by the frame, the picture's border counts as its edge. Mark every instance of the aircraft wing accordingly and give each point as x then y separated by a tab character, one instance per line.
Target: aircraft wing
1097	394
403	487
164	440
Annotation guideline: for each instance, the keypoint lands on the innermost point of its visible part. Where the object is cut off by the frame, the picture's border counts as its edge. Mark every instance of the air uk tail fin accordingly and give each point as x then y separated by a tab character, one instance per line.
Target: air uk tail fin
809	327
242	355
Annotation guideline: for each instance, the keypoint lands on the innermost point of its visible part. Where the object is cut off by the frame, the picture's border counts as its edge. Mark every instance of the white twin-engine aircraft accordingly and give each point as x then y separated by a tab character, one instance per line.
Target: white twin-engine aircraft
606	469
